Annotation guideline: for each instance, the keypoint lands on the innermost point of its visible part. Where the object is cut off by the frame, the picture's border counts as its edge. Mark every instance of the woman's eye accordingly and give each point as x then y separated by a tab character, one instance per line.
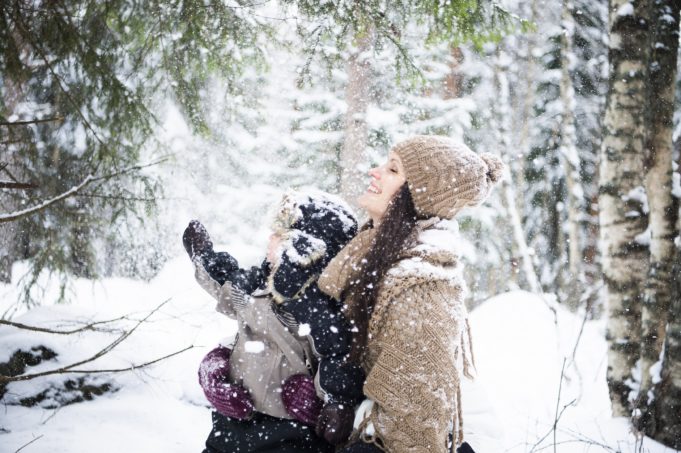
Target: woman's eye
394	170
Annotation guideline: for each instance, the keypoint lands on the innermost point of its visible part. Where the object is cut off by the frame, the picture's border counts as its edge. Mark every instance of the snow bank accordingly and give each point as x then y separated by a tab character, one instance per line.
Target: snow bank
520	346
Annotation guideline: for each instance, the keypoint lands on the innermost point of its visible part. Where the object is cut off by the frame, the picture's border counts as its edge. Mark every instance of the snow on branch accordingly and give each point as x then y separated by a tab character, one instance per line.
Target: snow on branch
12	216
72	368
33	209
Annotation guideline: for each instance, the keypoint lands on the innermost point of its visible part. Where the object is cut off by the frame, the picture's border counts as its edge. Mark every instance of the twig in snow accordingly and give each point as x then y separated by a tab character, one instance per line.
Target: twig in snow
558	414
29	443
579	437
54	412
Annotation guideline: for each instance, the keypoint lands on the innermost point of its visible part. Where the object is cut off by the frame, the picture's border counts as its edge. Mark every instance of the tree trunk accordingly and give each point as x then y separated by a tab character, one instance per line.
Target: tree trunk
661	314
516	166
571	163
622	206
353	180
662	217
668	392
453	85
502	116
10	233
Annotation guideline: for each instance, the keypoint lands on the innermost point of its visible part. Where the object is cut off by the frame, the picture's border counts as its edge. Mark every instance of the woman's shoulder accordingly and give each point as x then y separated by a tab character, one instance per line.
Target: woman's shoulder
432	255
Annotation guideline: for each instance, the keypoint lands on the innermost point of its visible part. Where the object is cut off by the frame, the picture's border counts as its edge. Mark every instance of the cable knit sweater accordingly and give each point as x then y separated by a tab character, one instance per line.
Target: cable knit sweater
419	340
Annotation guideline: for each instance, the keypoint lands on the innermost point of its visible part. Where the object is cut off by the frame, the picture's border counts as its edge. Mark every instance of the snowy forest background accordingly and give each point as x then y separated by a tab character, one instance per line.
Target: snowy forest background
122	120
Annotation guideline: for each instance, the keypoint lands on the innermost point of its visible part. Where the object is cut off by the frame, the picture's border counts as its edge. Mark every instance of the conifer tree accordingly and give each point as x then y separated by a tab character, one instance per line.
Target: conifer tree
78	82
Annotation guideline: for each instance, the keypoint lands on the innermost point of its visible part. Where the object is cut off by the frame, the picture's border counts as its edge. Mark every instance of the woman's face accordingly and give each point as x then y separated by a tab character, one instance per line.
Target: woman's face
385	181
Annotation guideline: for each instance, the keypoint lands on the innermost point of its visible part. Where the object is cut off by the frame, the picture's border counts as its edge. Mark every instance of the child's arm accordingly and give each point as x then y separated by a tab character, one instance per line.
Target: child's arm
219	273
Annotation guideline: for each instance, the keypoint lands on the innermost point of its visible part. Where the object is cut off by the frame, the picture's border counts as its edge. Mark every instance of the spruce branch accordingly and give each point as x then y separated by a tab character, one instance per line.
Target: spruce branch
27	34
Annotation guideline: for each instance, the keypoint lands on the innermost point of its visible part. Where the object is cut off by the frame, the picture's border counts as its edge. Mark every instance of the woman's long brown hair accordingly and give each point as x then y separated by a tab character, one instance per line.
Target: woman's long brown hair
391	235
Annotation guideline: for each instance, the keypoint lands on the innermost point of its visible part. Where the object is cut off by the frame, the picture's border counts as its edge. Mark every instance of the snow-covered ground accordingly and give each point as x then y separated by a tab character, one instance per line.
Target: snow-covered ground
520	348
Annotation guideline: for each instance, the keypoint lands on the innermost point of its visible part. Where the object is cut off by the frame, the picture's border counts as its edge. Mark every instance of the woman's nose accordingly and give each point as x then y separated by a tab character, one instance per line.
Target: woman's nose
375	173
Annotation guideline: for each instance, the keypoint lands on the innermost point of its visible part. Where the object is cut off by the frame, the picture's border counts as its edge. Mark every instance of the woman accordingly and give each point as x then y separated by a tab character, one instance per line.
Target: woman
400	280
261	387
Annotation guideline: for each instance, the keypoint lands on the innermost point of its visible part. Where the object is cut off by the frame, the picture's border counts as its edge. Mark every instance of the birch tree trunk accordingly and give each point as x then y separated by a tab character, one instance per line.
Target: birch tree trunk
662	307
571	162
353	180
622	205
662	217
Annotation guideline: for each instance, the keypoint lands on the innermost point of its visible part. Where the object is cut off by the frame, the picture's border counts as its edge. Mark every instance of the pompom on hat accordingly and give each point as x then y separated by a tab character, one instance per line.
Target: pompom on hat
444	175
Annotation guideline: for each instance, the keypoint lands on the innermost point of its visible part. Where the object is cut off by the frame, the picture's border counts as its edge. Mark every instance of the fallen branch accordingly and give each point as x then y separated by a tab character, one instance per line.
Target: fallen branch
133	367
102	352
89	326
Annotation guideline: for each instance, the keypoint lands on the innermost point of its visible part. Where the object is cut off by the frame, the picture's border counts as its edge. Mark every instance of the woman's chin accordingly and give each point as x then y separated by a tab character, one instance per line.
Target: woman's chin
364	201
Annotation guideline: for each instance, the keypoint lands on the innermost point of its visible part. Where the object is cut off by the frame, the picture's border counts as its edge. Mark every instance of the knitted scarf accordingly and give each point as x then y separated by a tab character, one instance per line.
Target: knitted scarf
346	266
418	330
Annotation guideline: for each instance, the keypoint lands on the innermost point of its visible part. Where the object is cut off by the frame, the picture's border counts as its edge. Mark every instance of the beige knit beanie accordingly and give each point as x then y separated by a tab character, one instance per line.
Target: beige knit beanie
444	175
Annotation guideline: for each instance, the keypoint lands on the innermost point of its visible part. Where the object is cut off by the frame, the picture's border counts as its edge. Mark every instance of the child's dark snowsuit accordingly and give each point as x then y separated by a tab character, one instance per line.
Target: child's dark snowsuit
301	331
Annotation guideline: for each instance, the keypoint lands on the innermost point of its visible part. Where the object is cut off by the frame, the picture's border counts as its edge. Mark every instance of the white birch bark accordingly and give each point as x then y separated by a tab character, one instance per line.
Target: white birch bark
662	307
571	162
622	206
658	183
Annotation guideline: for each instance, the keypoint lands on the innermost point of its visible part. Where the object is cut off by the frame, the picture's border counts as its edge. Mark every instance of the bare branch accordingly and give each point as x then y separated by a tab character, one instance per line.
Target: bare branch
45	204
102	352
115	197
89	326
558	415
74	190
16	185
133	367
29	443
35	121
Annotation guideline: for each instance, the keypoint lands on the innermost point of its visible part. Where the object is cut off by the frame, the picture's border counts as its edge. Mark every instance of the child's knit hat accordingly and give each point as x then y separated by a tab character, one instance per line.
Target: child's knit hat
444	175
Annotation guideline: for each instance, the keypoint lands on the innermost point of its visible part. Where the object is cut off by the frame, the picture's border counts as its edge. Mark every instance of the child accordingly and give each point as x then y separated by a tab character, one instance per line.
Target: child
262	387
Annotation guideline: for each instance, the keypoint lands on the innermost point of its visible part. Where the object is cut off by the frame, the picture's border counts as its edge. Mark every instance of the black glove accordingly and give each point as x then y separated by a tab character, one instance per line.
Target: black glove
464	448
196	240
335	423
